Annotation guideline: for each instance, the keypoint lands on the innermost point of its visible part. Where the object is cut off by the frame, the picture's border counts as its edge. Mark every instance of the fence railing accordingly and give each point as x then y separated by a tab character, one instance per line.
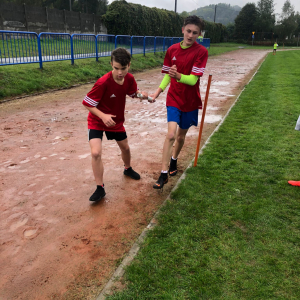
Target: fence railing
21	47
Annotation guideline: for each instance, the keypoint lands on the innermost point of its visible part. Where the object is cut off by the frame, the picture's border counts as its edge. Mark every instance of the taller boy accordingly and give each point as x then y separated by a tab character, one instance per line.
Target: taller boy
184	64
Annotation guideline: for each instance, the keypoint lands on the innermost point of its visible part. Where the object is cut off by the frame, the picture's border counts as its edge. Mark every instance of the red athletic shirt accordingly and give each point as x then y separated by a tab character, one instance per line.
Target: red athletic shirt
109	97
188	61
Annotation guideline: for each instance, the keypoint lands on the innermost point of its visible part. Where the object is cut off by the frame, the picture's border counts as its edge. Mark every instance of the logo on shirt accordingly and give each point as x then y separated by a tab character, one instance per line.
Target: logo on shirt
174	58
112	96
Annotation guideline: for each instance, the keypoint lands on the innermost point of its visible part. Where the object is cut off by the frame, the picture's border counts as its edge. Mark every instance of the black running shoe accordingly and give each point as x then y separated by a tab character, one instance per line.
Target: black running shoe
173	167
132	174
163	179
98	194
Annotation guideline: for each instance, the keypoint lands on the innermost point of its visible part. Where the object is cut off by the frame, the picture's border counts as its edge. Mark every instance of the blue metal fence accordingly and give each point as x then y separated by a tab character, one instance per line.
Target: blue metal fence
20	47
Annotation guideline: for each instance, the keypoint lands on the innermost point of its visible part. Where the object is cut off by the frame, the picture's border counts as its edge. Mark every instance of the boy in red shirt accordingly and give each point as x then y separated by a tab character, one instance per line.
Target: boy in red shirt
106	106
184	64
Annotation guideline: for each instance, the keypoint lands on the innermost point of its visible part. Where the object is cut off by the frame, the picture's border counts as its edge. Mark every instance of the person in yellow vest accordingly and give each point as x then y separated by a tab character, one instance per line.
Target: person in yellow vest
200	37
275	48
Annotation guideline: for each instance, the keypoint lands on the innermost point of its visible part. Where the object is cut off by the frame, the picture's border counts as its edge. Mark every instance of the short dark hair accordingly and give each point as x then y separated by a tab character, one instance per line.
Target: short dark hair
121	56
195	20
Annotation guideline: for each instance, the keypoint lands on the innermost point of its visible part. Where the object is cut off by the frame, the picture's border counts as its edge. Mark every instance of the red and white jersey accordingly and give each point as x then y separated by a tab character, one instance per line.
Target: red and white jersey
188	61
109	97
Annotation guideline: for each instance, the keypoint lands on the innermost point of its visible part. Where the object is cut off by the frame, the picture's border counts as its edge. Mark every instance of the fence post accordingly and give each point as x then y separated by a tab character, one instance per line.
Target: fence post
131	45
40	51
72	50
1	20
94	20
164	44
96	41
144	45
47	18
25	16
116	41
80	21
65	21
154	44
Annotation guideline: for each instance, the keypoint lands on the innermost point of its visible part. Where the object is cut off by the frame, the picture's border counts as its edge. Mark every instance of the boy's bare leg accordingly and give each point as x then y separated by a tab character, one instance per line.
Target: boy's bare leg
125	150
126	157
168	144
97	164
179	142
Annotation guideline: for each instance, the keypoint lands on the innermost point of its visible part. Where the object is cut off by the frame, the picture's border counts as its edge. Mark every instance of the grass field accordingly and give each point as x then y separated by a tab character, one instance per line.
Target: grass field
232	228
17	80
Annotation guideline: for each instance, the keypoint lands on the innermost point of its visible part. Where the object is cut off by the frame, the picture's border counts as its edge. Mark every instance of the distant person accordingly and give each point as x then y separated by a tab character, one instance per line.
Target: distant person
275	48
200	37
184	64
106	104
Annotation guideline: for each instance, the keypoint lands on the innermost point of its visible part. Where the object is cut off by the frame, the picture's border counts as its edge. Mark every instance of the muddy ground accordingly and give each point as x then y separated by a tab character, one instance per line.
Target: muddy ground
54	244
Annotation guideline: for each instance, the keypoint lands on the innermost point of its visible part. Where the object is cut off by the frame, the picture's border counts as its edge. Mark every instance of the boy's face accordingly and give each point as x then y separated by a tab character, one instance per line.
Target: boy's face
190	34
119	71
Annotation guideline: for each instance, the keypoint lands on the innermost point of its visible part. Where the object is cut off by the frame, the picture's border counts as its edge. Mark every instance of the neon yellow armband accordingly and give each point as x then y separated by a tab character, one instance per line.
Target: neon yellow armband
188	79
166	80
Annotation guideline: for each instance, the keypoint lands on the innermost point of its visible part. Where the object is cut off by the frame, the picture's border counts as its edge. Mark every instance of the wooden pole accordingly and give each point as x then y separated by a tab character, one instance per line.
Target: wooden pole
202	120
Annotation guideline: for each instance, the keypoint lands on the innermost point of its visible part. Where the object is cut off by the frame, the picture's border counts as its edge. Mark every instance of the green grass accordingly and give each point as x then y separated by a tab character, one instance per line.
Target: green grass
232	228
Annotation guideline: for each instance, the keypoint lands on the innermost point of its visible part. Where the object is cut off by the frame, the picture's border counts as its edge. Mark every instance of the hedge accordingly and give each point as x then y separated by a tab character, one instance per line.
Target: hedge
123	18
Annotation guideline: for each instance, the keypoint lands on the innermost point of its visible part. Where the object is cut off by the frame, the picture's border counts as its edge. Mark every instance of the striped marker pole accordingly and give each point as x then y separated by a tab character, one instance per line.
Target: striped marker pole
202	120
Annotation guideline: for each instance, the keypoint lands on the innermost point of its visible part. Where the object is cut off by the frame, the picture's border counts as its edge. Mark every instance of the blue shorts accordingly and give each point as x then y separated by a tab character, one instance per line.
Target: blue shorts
184	119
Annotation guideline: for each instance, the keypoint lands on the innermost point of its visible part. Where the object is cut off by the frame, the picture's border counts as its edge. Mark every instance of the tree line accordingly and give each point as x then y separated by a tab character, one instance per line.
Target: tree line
260	18
97	7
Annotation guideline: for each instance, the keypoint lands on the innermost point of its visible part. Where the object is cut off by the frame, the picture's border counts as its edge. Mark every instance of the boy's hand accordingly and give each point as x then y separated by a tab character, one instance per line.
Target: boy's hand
155	95
108	121
173	73
144	95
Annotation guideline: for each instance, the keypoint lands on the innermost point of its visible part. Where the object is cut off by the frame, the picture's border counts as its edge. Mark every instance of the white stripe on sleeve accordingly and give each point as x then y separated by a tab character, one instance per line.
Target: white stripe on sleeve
90	101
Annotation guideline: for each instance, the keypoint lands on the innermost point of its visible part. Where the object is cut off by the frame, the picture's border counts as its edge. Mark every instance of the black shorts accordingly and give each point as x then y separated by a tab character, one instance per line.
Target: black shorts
110	135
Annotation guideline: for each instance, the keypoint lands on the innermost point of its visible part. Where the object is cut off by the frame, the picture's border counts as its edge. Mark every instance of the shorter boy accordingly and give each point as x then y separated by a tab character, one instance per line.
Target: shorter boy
106	106
275	48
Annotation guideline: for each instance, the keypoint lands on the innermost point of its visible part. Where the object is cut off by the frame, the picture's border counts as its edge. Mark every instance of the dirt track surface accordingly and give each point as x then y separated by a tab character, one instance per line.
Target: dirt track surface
53	243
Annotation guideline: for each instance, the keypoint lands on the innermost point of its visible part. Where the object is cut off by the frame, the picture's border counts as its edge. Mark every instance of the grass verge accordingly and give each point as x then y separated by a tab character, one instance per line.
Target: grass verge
19	80
232	228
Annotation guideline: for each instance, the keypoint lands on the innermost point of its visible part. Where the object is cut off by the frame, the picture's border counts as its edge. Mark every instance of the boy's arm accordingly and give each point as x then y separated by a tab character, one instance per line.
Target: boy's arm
106	118
166	80
186	79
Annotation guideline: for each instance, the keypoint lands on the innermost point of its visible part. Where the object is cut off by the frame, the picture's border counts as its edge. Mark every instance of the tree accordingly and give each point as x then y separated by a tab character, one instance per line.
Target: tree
265	16
297	30
102	7
288	22
245	21
184	14
230	28
287	10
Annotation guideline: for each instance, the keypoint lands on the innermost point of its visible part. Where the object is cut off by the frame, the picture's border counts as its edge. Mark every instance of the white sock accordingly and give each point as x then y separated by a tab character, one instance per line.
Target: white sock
174	158
164	171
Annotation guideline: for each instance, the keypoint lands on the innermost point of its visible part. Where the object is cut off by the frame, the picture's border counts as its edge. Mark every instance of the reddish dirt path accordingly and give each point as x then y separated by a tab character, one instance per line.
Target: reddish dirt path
53	243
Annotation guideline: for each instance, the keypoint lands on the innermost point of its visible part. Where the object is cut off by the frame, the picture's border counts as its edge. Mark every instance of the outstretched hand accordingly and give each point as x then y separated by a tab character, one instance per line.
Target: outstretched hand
145	96
155	95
